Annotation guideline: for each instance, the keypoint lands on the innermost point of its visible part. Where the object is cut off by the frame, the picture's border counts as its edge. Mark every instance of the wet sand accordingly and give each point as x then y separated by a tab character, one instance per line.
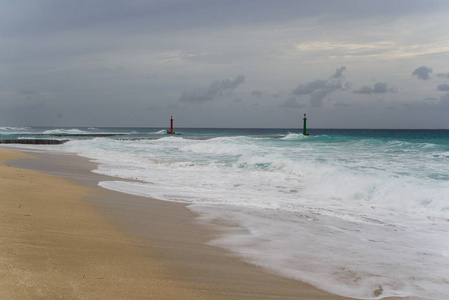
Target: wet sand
61	236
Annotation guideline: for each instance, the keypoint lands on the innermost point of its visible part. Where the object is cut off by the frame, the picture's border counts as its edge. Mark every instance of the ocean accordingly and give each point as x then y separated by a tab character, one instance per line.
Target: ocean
358	213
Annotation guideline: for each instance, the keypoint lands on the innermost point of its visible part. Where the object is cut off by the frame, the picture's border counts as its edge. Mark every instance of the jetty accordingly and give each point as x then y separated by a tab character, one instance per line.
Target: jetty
32	141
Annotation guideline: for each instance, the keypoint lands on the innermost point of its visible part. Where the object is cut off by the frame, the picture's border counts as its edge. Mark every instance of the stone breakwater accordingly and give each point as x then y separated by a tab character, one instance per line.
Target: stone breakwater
43	141
33	141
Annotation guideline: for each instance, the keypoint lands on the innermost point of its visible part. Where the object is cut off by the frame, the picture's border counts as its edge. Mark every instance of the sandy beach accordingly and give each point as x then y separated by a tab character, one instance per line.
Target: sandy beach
64	237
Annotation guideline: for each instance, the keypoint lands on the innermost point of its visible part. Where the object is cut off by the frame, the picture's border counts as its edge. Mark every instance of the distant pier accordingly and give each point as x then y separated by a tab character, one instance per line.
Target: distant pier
38	141
32	141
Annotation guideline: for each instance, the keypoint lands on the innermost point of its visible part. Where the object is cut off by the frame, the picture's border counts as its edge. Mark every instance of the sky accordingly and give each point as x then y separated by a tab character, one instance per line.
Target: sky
246	63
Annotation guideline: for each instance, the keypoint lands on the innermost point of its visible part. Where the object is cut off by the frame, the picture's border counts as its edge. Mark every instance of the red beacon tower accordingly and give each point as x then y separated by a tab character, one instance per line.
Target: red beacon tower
171	126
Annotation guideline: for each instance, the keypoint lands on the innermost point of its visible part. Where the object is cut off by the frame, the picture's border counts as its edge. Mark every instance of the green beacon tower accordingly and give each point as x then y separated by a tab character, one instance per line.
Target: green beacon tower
304	128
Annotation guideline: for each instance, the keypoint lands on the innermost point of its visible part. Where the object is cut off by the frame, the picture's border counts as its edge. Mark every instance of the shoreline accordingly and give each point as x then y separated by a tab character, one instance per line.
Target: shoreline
166	234
54	245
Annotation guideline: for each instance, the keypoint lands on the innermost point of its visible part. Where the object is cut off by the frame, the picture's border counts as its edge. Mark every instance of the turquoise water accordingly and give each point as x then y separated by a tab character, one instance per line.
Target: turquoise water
348	211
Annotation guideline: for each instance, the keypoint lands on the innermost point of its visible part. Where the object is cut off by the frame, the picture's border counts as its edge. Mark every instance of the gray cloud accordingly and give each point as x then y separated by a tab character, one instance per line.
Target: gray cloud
422	72
291	103
27	92
258	94
342	104
217	87
69	55
444	100
316	98
339	72
430	99
306	89
51	15
440	104
443	87
379	88
319	89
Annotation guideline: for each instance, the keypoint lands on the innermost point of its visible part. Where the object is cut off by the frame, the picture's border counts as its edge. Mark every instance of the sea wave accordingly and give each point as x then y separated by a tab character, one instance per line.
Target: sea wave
13	130
294	136
323	209
65	131
163	131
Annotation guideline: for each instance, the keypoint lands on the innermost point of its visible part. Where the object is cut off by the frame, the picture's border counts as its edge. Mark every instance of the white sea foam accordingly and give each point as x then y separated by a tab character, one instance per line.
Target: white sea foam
163	131
294	136
349	217
12	129
65	131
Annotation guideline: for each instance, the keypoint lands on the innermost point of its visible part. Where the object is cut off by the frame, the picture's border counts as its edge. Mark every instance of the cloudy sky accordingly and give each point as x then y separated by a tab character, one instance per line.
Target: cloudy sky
245	63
